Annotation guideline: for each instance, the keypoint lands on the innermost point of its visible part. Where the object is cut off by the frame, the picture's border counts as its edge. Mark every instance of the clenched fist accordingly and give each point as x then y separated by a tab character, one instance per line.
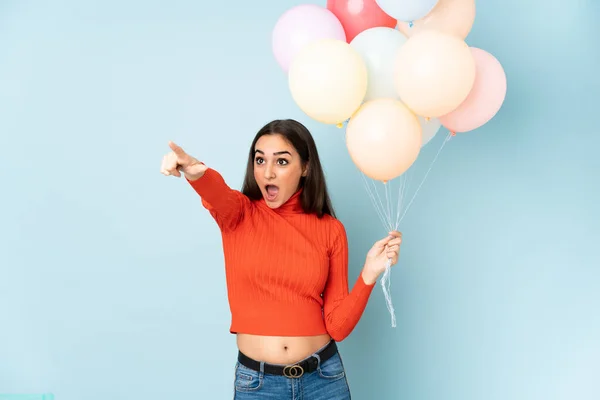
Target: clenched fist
383	250
178	160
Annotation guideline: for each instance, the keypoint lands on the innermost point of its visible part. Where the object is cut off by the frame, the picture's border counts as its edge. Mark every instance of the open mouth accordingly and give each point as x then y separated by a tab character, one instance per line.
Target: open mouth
271	192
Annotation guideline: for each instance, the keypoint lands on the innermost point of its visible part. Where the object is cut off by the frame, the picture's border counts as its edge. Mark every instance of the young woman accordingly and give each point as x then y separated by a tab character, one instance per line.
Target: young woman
286	266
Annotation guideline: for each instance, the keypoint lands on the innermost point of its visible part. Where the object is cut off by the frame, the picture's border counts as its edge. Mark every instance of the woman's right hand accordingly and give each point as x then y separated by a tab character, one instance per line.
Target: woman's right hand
178	160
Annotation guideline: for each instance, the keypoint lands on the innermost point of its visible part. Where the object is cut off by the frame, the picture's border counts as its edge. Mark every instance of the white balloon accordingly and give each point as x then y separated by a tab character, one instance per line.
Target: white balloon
406	10
378	48
429	129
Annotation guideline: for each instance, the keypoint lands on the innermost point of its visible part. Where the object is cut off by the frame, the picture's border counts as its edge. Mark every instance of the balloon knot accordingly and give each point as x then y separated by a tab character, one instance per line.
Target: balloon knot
452	133
427	119
410	24
340	125
385	182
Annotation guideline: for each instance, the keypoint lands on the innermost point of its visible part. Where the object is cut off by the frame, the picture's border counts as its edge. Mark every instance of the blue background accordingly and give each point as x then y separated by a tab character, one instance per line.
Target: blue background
111	275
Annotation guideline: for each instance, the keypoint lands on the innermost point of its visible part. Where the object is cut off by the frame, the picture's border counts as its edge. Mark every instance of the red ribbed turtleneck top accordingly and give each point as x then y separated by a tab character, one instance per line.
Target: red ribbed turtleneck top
286	271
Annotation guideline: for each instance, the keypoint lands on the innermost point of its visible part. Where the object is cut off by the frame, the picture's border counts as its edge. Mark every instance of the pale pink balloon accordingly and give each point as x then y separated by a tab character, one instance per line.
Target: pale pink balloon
455	17
301	25
485	99
384	138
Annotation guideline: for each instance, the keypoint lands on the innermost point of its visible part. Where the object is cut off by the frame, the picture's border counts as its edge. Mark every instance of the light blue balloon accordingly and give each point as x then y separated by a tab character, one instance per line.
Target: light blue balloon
407	10
378	47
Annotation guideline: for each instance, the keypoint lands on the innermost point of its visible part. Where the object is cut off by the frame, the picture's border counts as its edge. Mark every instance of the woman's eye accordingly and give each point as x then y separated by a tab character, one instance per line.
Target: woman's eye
281	161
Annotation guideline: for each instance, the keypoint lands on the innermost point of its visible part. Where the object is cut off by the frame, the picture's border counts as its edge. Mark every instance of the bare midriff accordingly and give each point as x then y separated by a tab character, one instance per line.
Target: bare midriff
284	350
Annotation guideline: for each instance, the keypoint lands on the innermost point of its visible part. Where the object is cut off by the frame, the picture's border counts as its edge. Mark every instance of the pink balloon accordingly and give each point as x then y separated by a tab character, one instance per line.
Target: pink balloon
358	16
484	100
301	25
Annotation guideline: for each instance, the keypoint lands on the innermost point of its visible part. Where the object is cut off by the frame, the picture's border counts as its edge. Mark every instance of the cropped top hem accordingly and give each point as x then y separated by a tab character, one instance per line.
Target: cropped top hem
280	320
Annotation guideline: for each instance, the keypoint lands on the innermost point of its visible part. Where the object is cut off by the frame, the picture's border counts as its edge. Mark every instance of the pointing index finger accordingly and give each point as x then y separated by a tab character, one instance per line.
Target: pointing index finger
176	149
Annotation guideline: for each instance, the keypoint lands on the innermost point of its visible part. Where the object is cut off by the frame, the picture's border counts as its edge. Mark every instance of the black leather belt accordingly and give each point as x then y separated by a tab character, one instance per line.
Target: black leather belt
305	366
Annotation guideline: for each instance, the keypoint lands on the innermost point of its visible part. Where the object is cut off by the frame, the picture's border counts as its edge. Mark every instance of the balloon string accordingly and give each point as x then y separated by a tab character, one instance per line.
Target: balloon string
401	196
386	221
385	280
385	285
388	201
378	206
426	174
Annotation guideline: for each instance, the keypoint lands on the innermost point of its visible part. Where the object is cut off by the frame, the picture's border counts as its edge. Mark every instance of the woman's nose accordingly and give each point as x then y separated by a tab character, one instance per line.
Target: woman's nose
269	172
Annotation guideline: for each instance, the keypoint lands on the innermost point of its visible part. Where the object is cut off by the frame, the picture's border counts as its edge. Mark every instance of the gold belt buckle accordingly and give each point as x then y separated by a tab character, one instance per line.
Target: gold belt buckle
293	371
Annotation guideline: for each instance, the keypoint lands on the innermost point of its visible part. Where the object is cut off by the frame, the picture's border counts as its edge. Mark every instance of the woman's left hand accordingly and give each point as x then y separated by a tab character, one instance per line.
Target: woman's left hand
377	257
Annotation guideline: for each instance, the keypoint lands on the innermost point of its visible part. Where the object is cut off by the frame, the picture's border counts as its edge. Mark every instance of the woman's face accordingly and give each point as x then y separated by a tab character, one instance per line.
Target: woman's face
277	169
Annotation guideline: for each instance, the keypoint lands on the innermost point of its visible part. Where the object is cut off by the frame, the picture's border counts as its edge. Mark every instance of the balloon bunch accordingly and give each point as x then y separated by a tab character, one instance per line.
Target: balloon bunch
394	70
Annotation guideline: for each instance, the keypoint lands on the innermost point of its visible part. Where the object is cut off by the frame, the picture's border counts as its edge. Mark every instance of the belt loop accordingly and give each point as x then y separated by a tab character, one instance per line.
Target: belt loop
262	368
318	359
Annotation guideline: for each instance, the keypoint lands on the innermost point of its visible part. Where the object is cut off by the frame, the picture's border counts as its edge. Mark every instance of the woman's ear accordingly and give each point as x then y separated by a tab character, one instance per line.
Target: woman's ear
305	171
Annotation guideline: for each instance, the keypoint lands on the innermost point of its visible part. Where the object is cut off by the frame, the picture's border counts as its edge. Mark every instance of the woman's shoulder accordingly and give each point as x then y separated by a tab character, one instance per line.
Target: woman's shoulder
334	225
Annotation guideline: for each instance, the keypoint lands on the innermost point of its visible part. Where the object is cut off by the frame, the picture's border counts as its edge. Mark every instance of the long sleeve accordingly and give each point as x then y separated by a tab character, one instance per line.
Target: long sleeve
227	206
343	309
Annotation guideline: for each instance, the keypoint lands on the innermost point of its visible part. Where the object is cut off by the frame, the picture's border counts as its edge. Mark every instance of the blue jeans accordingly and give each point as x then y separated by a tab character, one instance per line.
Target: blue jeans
328	382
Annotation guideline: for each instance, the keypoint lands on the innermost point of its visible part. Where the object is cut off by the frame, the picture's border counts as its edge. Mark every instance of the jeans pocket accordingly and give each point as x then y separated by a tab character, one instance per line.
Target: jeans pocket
332	368
246	379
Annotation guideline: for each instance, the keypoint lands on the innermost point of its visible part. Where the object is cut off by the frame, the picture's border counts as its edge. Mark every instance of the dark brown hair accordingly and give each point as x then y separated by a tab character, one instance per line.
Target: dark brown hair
314	197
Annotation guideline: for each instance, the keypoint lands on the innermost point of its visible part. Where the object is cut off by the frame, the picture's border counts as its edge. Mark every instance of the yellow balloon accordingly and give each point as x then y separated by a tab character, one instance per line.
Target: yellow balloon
383	138
328	80
455	17
434	73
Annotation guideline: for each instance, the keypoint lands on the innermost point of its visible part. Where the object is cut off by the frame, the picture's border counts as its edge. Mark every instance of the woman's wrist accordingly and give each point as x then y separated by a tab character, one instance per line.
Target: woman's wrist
369	276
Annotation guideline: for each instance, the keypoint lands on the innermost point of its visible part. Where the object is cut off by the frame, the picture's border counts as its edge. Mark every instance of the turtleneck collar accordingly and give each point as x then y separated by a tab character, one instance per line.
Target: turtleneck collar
292	206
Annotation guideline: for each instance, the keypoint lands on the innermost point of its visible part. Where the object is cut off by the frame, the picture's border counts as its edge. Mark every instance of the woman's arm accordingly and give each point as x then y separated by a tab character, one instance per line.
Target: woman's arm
343	309
226	205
